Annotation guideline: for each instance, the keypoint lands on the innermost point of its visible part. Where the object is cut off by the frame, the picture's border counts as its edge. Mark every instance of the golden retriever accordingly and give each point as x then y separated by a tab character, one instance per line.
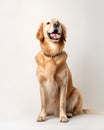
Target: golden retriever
58	95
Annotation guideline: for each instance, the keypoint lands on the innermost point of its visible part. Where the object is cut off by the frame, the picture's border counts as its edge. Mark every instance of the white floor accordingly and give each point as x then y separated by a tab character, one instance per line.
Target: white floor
82	122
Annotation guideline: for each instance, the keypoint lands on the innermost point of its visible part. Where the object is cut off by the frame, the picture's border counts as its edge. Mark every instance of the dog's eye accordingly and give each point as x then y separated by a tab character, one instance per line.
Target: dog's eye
48	23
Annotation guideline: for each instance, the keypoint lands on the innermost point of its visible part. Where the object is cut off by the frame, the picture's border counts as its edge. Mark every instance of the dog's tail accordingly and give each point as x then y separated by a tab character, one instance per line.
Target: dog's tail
88	111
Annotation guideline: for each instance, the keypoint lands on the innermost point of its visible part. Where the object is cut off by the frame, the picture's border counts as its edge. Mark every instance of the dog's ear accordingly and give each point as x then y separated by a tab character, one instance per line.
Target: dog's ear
63	32
39	34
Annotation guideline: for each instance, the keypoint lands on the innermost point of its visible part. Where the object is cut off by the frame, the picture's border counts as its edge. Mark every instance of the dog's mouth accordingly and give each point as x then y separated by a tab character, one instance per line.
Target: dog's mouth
54	35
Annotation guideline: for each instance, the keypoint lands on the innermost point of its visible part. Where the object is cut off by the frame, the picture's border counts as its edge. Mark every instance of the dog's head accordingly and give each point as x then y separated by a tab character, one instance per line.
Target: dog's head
52	35
52	30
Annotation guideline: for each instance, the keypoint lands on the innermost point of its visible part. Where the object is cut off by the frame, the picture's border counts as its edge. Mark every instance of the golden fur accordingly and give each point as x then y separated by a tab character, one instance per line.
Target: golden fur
58	95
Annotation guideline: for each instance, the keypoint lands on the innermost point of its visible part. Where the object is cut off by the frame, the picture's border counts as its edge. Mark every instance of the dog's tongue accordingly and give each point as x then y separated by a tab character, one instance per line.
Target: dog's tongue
55	35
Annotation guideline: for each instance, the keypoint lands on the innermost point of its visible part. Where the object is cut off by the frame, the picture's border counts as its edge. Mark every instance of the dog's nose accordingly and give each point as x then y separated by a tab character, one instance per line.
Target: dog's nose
56	25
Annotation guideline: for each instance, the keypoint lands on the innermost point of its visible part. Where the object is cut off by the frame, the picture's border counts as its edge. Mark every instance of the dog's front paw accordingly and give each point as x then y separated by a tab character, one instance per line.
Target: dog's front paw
41	118
63	119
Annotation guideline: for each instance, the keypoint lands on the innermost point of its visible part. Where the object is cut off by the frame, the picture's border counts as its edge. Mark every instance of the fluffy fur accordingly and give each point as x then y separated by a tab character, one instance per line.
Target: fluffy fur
58	95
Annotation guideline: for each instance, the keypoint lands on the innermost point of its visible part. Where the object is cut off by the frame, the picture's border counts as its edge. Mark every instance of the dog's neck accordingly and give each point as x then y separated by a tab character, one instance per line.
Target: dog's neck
52	56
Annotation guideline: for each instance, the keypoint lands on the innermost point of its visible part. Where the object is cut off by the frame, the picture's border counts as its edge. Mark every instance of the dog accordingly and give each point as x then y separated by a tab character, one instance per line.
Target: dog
59	97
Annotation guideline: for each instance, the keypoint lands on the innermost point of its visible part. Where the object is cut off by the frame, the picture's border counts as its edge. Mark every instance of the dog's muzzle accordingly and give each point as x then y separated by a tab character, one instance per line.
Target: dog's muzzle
55	35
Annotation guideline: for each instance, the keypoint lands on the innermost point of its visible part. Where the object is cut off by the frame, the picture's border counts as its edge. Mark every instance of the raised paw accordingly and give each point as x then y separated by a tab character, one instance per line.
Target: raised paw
41	118
63	119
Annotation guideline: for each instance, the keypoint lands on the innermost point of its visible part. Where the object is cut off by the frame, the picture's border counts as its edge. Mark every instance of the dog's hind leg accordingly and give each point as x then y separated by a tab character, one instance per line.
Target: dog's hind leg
74	104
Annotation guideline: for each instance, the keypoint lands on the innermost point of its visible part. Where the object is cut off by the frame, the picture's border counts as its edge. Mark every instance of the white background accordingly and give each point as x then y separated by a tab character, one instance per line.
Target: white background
19	21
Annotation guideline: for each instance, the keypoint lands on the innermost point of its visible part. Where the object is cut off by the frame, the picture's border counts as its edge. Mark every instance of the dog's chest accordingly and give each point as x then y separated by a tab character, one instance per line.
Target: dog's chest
51	88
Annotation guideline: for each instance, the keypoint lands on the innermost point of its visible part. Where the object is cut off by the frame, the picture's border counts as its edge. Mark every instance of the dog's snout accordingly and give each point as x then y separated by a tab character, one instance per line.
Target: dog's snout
56	25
